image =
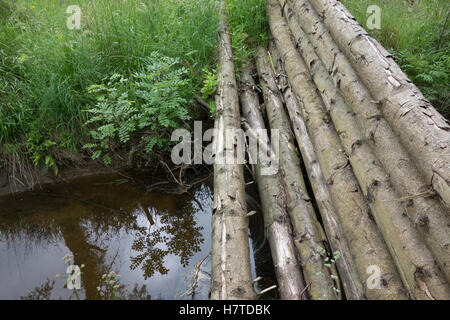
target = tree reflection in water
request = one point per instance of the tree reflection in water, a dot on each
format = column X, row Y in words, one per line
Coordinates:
column 88, row 215
column 176, row 234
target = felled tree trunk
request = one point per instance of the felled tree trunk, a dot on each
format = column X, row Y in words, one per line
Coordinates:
column 230, row 255
column 353, row 287
column 365, row 241
column 408, row 250
column 309, row 236
column 426, row 212
column 276, row 220
column 422, row 130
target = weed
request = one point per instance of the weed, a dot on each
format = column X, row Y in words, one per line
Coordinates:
column 150, row 103
column 417, row 34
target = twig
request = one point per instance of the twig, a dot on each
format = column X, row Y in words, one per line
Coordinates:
column 266, row 290
column 427, row 193
column 203, row 103
column 191, row 291
column 306, row 288
column 173, row 176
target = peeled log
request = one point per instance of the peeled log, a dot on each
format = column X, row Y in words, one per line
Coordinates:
column 353, row 288
column 309, row 236
column 428, row 216
column 277, row 225
column 365, row 241
column 231, row 277
column 414, row 261
column 422, row 130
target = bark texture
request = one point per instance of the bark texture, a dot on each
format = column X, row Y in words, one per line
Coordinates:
column 422, row 130
column 366, row 243
column 309, row 236
column 429, row 217
column 414, row 261
column 353, row 288
column 230, row 255
column 277, row 225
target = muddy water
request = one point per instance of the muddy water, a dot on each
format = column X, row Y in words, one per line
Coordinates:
column 154, row 240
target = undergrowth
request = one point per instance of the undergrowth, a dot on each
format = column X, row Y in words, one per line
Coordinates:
column 140, row 110
column 47, row 113
column 46, row 68
column 417, row 33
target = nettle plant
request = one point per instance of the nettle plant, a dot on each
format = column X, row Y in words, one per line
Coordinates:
column 140, row 110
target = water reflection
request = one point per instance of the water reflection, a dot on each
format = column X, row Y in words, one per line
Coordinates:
column 154, row 240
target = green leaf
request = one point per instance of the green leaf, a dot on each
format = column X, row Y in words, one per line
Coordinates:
column 96, row 154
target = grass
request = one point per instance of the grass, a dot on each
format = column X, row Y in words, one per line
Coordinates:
column 46, row 68
column 249, row 27
column 417, row 33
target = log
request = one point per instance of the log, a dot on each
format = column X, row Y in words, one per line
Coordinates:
column 414, row 261
column 231, row 276
column 353, row 287
column 365, row 241
column 277, row 225
column 309, row 236
column 422, row 130
column 427, row 214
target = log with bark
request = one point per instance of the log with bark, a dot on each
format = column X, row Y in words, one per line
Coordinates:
column 277, row 225
column 310, row 239
column 353, row 288
column 365, row 241
column 426, row 212
column 420, row 274
column 422, row 130
column 231, row 276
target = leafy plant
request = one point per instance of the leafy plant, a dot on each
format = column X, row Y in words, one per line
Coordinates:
column 209, row 89
column 430, row 71
column 249, row 17
column 241, row 50
column 45, row 67
column 417, row 34
column 145, row 106
column 39, row 149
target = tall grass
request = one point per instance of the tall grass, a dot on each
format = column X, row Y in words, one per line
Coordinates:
column 417, row 33
column 45, row 68
column 249, row 27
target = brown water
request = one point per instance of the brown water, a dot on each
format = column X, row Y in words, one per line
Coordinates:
column 109, row 223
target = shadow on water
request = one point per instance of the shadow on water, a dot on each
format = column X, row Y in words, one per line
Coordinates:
column 154, row 240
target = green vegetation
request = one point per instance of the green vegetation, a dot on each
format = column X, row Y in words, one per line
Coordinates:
column 149, row 104
column 61, row 89
column 47, row 113
column 417, row 34
column 249, row 27
column 46, row 68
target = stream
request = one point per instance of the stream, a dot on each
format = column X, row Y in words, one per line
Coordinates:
column 158, row 242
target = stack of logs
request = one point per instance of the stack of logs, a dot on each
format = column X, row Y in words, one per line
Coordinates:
column 368, row 216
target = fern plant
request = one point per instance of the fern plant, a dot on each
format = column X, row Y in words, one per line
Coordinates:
column 139, row 110
column 430, row 71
